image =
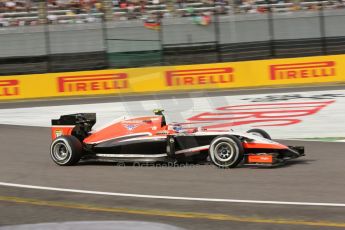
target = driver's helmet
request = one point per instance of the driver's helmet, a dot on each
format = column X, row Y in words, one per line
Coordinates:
column 158, row 111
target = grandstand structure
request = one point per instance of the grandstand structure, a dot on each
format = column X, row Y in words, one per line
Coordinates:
column 39, row 36
column 34, row 12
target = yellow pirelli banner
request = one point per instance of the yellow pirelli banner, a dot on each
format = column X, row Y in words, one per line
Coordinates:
column 291, row 71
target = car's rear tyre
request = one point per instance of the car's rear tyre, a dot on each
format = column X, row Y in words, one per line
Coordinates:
column 66, row 150
column 260, row 133
column 226, row 151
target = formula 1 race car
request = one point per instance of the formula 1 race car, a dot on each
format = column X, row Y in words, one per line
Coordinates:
column 150, row 139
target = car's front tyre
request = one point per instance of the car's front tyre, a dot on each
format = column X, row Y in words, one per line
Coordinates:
column 66, row 150
column 226, row 151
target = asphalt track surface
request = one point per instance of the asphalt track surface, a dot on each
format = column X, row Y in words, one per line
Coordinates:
column 318, row 177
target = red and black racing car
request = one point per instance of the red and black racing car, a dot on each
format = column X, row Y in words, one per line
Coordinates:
column 150, row 139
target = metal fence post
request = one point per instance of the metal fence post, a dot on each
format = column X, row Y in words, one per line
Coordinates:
column 216, row 31
column 161, row 40
column 322, row 28
column 43, row 20
column 107, row 16
column 271, row 30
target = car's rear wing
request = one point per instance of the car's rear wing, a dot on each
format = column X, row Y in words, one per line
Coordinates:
column 78, row 125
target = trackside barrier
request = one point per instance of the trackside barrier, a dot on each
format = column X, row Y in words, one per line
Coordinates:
column 292, row 71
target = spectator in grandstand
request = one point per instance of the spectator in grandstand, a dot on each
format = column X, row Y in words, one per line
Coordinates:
column 142, row 4
column 3, row 22
column 10, row 5
column 2, row 6
column 52, row 19
column 179, row 4
column 88, row 10
column 123, row 4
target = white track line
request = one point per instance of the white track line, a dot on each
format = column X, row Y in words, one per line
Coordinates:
column 170, row 197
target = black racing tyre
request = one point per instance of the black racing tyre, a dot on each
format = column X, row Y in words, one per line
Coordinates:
column 260, row 133
column 226, row 151
column 66, row 150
